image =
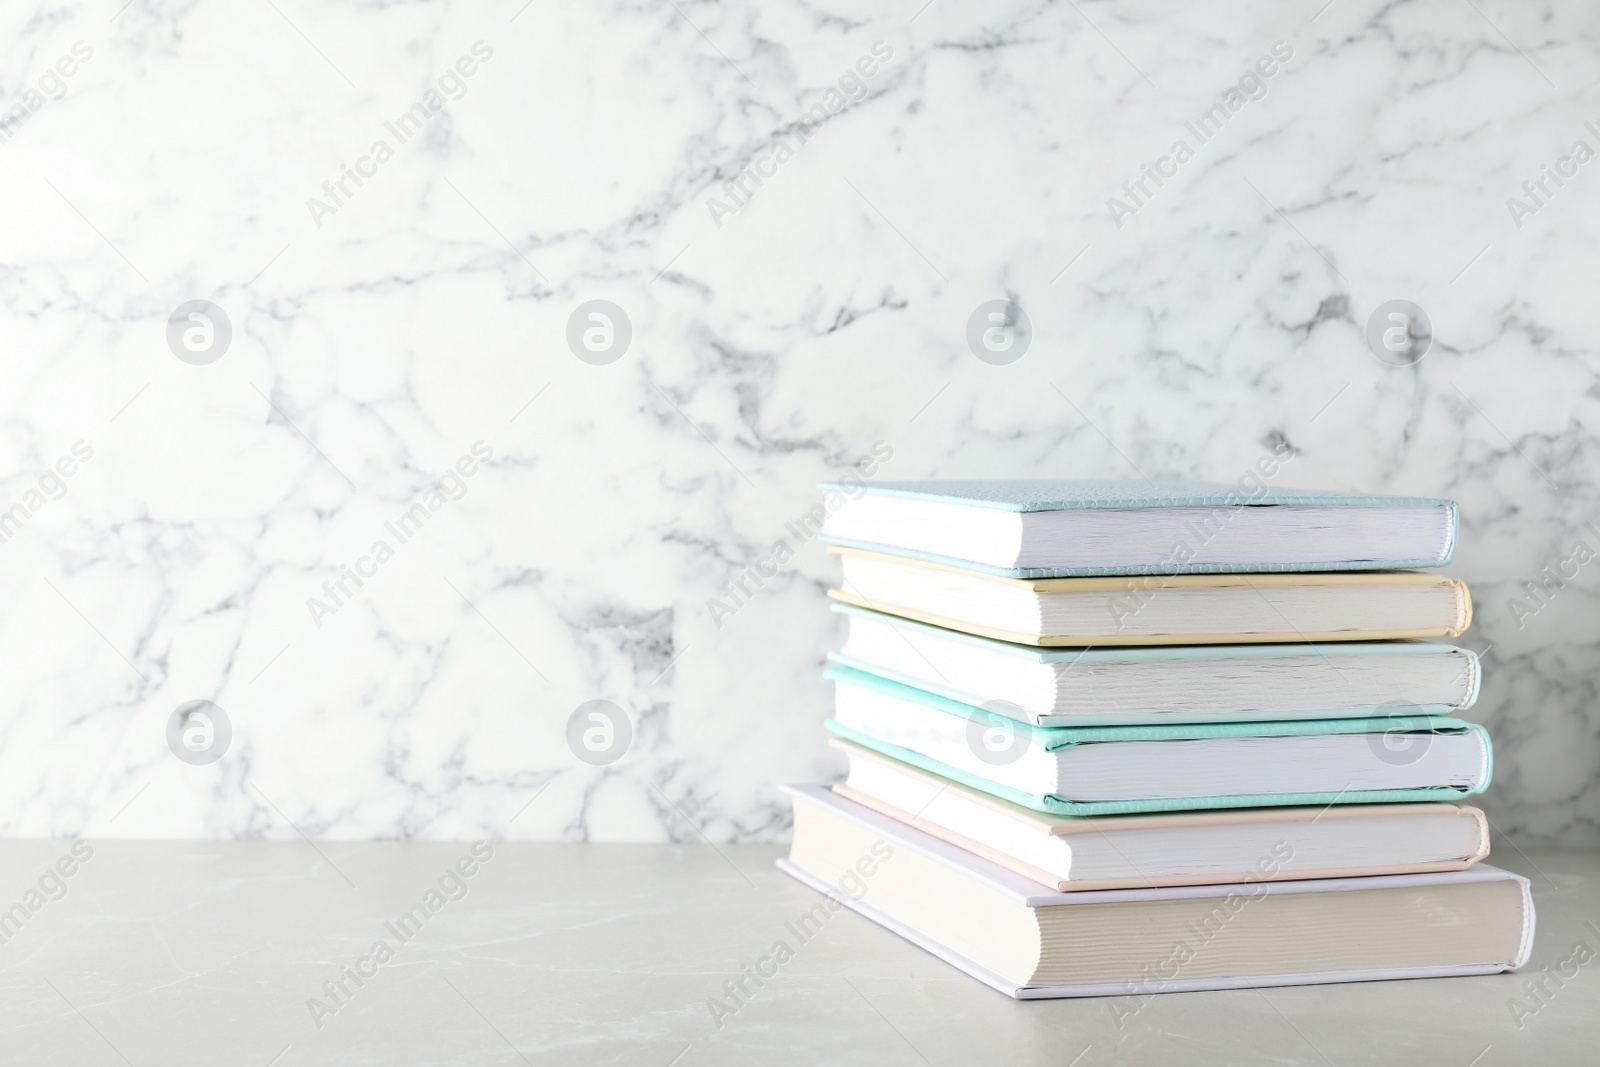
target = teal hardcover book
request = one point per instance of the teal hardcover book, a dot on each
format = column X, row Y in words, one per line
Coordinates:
column 1058, row 527
column 1110, row 770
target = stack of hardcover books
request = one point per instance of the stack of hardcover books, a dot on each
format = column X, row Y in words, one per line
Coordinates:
column 1111, row 738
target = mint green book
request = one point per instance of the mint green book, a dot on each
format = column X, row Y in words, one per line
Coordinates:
column 1112, row 770
column 1077, row 527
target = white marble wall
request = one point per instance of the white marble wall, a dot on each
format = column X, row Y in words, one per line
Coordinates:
column 378, row 336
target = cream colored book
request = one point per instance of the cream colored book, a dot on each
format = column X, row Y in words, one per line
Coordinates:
column 1150, row 609
column 1078, row 853
column 1030, row 943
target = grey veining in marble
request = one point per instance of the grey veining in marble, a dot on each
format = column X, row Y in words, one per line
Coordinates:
column 798, row 207
column 184, row 953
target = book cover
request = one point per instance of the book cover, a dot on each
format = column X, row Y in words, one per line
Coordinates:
column 1053, row 738
column 1064, row 494
column 1030, row 894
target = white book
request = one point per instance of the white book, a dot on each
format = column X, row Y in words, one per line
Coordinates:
column 1031, row 943
column 1187, row 683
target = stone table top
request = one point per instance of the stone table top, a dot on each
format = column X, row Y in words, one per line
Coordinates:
column 277, row 953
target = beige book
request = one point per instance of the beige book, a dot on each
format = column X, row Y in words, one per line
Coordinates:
column 1155, row 609
column 1029, row 942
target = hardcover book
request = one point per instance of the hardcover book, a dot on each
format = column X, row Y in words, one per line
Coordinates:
column 1053, row 527
column 1029, row 942
column 1109, row 770
column 1076, row 853
column 1184, row 609
column 1188, row 683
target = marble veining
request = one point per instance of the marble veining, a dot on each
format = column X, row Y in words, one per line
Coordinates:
column 798, row 207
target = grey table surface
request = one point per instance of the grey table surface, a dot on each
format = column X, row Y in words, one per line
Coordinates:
column 168, row 953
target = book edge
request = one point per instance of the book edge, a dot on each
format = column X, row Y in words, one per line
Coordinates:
column 1369, row 573
column 1075, row 885
column 1216, row 495
column 1056, row 824
column 1001, row 984
column 1025, row 891
column 1096, row 640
